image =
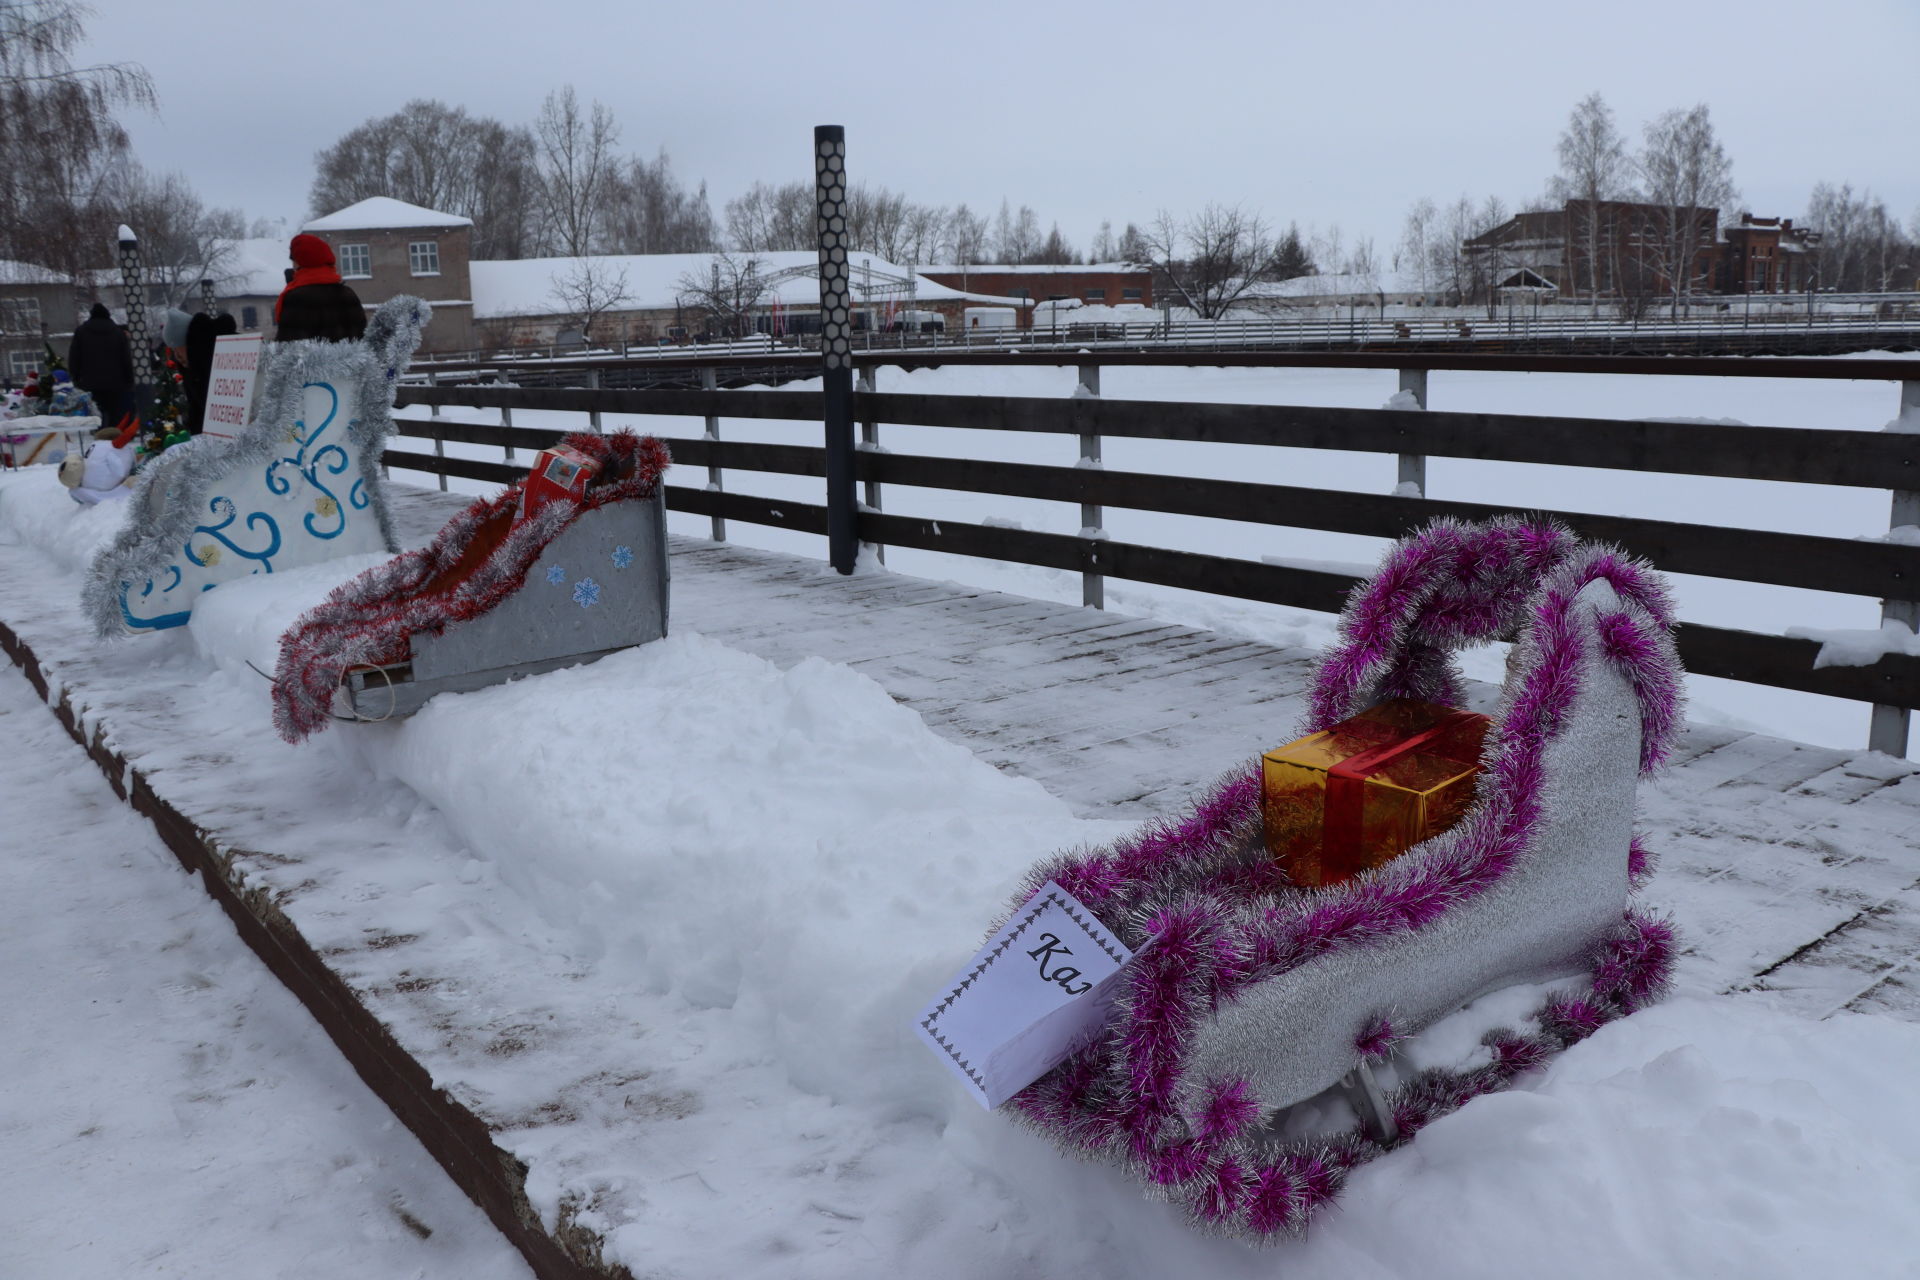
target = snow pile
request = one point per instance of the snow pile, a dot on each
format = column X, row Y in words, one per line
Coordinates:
column 700, row 822
column 37, row 511
column 171, row 1109
column 1859, row 648
column 1908, row 423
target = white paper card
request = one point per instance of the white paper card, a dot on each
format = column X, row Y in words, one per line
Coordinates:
column 1037, row 991
column 236, row 367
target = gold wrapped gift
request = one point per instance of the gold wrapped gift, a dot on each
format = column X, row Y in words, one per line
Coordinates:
column 1348, row 798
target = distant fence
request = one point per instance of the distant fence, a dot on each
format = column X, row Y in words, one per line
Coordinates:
column 1764, row 327
column 1886, row 571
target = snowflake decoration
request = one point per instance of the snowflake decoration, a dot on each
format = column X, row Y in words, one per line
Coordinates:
column 622, row 557
column 586, row 593
column 556, row 575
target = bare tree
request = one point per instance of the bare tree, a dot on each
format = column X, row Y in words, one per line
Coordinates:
column 876, row 221
column 437, row 156
column 966, row 236
column 1133, row 245
column 181, row 241
column 1213, row 258
column 577, row 166
column 1594, row 169
column 648, row 211
column 726, row 293
column 770, row 219
column 1103, row 247
column 1688, row 179
column 587, row 290
column 60, row 144
column 1862, row 246
column 1016, row 237
column 1413, row 258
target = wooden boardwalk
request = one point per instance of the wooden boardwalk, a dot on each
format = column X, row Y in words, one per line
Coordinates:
column 1793, row 870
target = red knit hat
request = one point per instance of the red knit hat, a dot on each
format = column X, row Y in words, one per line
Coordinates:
column 314, row 258
column 310, row 251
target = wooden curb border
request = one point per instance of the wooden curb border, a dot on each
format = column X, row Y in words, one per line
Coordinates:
column 493, row 1179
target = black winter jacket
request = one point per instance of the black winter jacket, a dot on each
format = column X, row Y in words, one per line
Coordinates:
column 100, row 361
column 329, row 311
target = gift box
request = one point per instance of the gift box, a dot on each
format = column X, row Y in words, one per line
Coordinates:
column 558, row 473
column 1340, row 801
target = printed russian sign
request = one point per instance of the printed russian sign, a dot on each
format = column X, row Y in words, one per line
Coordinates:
column 1039, row 989
column 236, row 367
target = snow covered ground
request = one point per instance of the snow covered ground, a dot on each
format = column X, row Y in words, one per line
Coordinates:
column 167, row 1108
column 664, row 921
column 1815, row 509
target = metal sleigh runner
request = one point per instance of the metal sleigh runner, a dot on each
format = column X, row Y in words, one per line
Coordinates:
column 564, row 567
column 1256, row 984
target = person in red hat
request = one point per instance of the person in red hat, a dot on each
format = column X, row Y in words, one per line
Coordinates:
column 315, row 304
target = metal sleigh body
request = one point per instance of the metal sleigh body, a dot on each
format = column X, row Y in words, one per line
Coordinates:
column 542, row 626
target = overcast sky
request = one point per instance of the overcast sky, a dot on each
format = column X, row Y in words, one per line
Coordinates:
column 1332, row 113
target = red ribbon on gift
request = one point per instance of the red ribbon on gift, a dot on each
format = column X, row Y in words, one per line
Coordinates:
column 1346, row 785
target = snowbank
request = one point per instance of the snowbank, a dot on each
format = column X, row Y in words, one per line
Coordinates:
column 667, row 916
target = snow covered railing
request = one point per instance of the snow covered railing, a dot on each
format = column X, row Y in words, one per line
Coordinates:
column 1887, row 570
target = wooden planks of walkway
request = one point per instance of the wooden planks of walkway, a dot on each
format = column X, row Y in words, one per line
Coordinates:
column 1793, row 870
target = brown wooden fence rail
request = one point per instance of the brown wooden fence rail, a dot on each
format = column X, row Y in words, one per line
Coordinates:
column 1883, row 461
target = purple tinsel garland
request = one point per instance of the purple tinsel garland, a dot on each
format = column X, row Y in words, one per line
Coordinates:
column 1221, row 922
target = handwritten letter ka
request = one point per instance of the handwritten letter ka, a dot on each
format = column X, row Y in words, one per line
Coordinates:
column 1037, row 991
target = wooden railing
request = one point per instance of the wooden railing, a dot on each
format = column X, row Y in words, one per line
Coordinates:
column 1887, row 571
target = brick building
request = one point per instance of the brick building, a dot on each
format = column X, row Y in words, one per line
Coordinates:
column 1096, row 284
column 1616, row 248
column 386, row 247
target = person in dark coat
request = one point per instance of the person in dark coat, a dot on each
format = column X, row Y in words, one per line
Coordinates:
column 201, row 332
column 100, row 360
column 315, row 304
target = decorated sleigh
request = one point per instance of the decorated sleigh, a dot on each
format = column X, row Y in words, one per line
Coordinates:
column 564, row 567
column 299, row 485
column 1248, row 994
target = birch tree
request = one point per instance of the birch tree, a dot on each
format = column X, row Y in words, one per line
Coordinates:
column 1687, row 174
column 1593, row 169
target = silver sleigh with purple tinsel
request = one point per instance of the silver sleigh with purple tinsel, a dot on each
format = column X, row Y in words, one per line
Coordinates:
column 299, row 485
column 1255, row 996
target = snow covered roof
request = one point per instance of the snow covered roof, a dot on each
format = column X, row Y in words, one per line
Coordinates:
column 657, row 281
column 1337, row 285
column 254, row 267
column 379, row 213
column 28, row 273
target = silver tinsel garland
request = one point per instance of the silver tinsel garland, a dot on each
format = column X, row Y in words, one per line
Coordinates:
column 169, row 497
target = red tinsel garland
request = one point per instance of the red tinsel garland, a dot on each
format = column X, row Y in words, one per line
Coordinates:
column 369, row 620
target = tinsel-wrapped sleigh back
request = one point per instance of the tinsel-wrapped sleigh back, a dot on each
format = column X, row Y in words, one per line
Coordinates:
column 1252, row 994
column 299, row 485
column 479, row 560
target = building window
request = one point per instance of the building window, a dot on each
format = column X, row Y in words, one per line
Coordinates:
column 355, row 262
column 423, row 257
column 1096, row 295
column 19, row 315
column 19, row 364
column 1131, row 295
column 249, row 317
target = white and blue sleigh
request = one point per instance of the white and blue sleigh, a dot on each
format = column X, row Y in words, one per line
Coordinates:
column 299, row 485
